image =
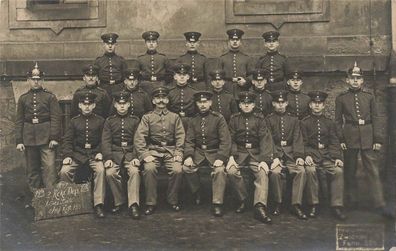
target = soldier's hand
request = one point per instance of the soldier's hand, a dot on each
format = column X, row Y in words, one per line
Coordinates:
column 67, row 161
column 52, row 144
column 309, row 161
column 275, row 163
column 188, row 162
column 263, row 166
column 218, row 163
column 343, row 146
column 149, row 159
column 300, row 162
column 135, row 162
column 377, row 147
column 339, row 163
column 20, row 147
column 108, row 164
column 98, row 157
column 178, row 158
column 231, row 161
column 241, row 81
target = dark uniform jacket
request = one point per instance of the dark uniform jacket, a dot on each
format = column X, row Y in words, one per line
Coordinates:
column 224, row 103
column 320, row 138
column 102, row 100
column 298, row 104
column 82, row 140
column 38, row 118
column 140, row 102
column 181, row 100
column 263, row 102
column 117, row 138
column 197, row 61
column 275, row 64
column 352, row 106
column 286, row 135
column 111, row 66
column 251, row 138
column 154, row 64
column 236, row 64
column 208, row 138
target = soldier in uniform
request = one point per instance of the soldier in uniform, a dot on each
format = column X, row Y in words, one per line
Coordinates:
column 153, row 65
column 82, row 149
column 359, row 130
column 236, row 64
column 195, row 60
column 159, row 140
column 222, row 100
column 37, row 127
column 120, row 156
column 289, row 145
column 111, row 66
column 273, row 62
column 323, row 156
column 102, row 101
column 208, row 143
column 263, row 101
column 252, row 148
column 298, row 101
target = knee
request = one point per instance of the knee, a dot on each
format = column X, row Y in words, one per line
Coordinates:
column 150, row 167
column 111, row 172
column 99, row 168
column 310, row 170
column 219, row 170
column 233, row 171
column 338, row 171
column 132, row 170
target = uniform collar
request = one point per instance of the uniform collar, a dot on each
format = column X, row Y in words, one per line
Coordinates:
column 204, row 114
column 133, row 89
column 258, row 90
column 294, row 91
column 109, row 54
column 151, row 52
column 280, row 114
column 87, row 116
column 37, row 90
column 91, row 86
column 192, row 52
column 272, row 53
column 235, row 51
column 355, row 90
column 161, row 112
column 122, row 116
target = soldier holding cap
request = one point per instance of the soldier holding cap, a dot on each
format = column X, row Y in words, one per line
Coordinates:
column 223, row 101
column 120, row 158
column 275, row 63
column 208, row 144
column 323, row 156
column 289, row 154
column 159, row 140
column 82, row 149
column 111, row 65
column 37, row 128
column 298, row 101
column 252, row 148
column 102, row 101
column 263, row 102
column 359, row 130
column 195, row 60
column 153, row 65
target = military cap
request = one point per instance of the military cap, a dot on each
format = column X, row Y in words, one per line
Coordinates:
column 203, row 96
column 355, row 71
column 87, row 98
column 160, row 91
column 181, row 68
column 217, row 74
column 110, row 38
column 294, row 75
column 259, row 74
column 132, row 74
column 271, row 36
column 150, row 35
column 317, row 96
column 91, row 70
column 279, row 96
column 235, row 33
column 192, row 36
column 246, row 97
column 121, row 97
column 36, row 73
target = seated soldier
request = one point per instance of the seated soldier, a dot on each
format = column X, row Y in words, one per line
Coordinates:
column 82, row 149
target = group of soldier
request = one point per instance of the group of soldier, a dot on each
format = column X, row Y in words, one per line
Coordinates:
column 233, row 117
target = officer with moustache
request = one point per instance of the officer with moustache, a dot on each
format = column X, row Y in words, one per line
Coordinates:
column 298, row 102
column 263, row 102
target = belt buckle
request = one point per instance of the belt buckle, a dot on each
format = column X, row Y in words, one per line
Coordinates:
column 234, row 79
column 112, row 82
column 362, row 122
column 182, row 114
column 35, row 121
column 163, row 143
column 124, row 143
column 87, row 146
column 321, row 146
column 272, row 80
column 248, row 145
column 283, row 143
column 153, row 78
column 194, row 79
column 204, row 147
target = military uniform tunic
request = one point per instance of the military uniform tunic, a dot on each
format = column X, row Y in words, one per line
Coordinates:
column 224, row 103
column 263, row 101
column 102, row 100
column 198, row 74
column 298, row 104
column 181, row 100
column 277, row 66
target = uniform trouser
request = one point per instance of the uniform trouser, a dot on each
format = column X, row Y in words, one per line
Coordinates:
column 174, row 170
column 326, row 169
column 67, row 173
column 298, row 174
column 40, row 166
column 370, row 165
column 219, row 180
column 260, row 183
column 115, row 181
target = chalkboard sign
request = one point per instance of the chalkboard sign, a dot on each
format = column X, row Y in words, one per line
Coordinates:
column 63, row 200
column 360, row 237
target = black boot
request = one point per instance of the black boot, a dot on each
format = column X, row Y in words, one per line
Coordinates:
column 260, row 213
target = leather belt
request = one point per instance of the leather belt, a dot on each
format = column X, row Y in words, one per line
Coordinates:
column 359, row 122
column 208, row 147
column 162, row 143
column 37, row 120
column 248, row 145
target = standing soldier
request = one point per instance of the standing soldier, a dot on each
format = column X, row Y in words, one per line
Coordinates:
column 195, row 60
column 263, row 100
column 289, row 146
column 111, row 66
column 323, row 156
column 153, row 65
column 359, row 130
column 159, row 140
column 298, row 101
column 252, row 148
column 82, row 149
column 102, row 101
column 273, row 62
column 223, row 101
column 236, row 64
column 120, row 156
column 37, row 127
